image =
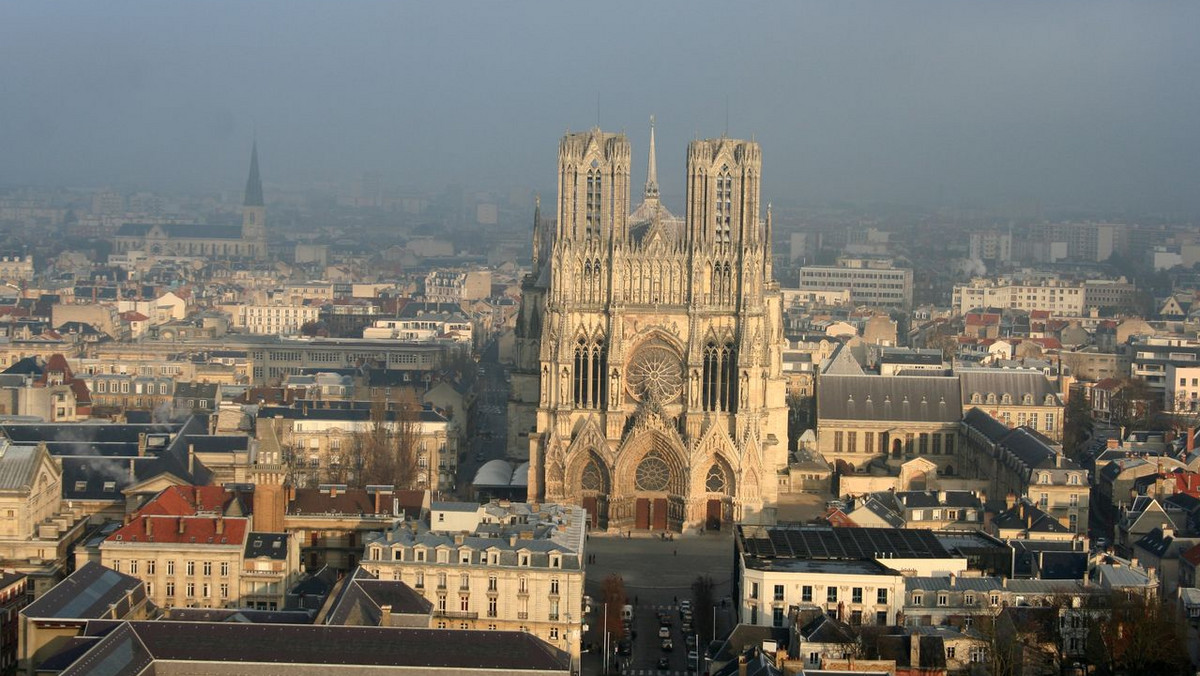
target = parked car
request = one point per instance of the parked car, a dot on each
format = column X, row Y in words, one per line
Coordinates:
column 664, row 632
column 668, row 645
column 664, row 664
column 625, row 648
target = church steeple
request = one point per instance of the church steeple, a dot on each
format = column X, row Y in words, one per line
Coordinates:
column 652, row 168
column 254, row 213
column 254, row 191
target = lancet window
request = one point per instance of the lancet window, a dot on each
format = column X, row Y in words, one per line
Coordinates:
column 590, row 387
column 592, row 204
column 724, row 206
column 719, row 384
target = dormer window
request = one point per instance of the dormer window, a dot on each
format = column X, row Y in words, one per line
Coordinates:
column 421, row 555
column 464, row 556
column 1044, row 478
column 523, row 559
column 1027, row 400
column 1006, row 399
column 975, row 398
column 1049, row 400
column 991, row 398
column 443, row 556
column 556, row 561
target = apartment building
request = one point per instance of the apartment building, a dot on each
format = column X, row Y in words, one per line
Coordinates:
column 1016, row 397
column 1054, row 296
column 852, row 574
column 870, row 281
column 195, row 547
column 500, row 566
column 272, row 363
column 1095, row 242
column 319, row 439
column 1024, row 463
column 1182, row 393
column 276, row 319
column 450, row 286
column 1154, row 355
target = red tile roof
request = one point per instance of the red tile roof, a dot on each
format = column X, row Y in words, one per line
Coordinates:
column 187, row 501
column 1192, row 555
column 184, row 530
column 133, row 316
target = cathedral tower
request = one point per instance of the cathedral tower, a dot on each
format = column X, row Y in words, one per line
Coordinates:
column 648, row 384
column 254, row 211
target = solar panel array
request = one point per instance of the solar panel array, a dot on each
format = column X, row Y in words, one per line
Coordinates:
column 815, row 542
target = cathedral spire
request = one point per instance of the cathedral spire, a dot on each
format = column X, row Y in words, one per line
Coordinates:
column 254, row 191
column 652, row 168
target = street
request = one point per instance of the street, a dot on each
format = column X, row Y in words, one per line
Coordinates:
column 657, row 575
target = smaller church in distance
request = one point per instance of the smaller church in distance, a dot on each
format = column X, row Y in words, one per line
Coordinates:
column 198, row 239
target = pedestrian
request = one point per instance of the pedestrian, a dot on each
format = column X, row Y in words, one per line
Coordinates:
column 675, row 552
column 635, row 600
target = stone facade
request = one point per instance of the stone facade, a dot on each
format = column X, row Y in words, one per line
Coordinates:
column 648, row 347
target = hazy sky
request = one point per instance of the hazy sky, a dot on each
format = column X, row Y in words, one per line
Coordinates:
column 1066, row 103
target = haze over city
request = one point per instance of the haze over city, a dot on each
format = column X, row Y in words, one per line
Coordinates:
column 1074, row 104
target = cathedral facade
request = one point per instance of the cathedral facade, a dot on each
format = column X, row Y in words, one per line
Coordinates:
column 249, row 241
column 648, row 361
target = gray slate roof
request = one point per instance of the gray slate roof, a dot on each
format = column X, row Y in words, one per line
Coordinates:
column 18, row 464
column 912, row 398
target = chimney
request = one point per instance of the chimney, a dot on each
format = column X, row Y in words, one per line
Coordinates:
column 149, row 523
column 182, row 524
column 141, row 449
column 1010, row 500
column 953, row 580
column 1191, row 439
column 378, row 499
column 220, row 525
column 333, row 491
column 192, row 459
column 132, row 476
column 385, row 615
column 914, row 650
column 941, row 497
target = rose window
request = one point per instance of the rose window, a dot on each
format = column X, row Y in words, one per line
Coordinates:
column 653, row 474
column 655, row 374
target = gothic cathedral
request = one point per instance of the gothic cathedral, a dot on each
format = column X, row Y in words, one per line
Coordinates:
column 648, row 362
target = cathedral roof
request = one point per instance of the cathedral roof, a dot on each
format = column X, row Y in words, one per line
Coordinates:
column 182, row 230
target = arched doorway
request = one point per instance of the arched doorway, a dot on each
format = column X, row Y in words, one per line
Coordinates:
column 651, row 488
column 897, row 448
column 719, row 492
column 594, row 485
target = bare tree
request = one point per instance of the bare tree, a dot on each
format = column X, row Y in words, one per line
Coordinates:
column 614, row 597
column 387, row 451
column 702, row 607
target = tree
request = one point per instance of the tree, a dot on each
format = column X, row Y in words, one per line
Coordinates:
column 1077, row 423
column 1136, row 406
column 1137, row 635
column 614, row 599
column 702, row 608
column 385, row 452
